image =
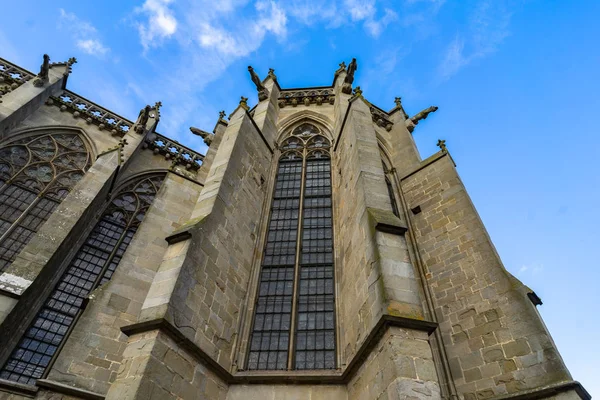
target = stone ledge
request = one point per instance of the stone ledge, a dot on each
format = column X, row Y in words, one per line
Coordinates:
column 426, row 162
column 18, row 388
column 8, row 293
column 547, row 391
column 283, row 377
column 68, row 390
column 386, row 221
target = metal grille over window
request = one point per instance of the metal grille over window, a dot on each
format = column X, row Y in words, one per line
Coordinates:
column 36, row 174
column 295, row 308
column 93, row 265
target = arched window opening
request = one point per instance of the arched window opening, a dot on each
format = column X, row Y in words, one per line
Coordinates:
column 93, row 265
column 295, row 307
column 36, row 174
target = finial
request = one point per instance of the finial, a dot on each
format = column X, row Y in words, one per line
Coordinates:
column 398, row 101
column 71, row 61
column 343, row 65
column 442, row 145
column 222, row 114
column 272, row 74
column 244, row 103
column 358, row 91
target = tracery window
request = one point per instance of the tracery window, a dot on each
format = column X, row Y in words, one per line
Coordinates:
column 295, row 307
column 36, row 174
column 93, row 265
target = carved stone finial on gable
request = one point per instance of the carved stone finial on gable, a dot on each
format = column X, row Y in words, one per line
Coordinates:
column 398, row 102
column 352, row 67
column 358, row 91
column 157, row 107
column 222, row 114
column 262, row 91
column 341, row 69
column 272, row 74
column 140, row 124
column 244, row 103
column 208, row 137
column 42, row 77
column 442, row 145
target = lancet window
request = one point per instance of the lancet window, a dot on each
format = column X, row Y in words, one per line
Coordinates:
column 294, row 320
column 93, row 265
column 36, row 174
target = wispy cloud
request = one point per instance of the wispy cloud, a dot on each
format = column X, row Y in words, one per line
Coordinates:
column 160, row 22
column 532, row 269
column 85, row 34
column 487, row 27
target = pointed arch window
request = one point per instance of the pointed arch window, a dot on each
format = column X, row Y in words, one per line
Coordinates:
column 295, row 306
column 36, row 174
column 93, row 265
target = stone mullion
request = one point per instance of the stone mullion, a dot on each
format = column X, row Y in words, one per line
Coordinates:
column 292, row 339
column 21, row 217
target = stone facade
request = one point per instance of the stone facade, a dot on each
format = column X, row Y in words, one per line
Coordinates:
column 424, row 308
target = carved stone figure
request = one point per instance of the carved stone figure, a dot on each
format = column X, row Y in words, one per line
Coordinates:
column 442, row 145
column 142, row 119
column 262, row 91
column 208, row 137
column 222, row 114
column 42, row 77
column 398, row 102
column 352, row 67
column 423, row 114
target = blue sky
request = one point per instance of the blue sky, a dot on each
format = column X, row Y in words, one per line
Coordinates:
column 516, row 82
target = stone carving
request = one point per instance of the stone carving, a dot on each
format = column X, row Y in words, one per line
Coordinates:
column 11, row 77
column 244, row 103
column 42, row 77
column 398, row 102
column 272, row 74
column 173, row 151
column 414, row 121
column 262, row 90
column 380, row 117
column 208, row 137
column 352, row 67
column 143, row 116
column 91, row 112
column 442, row 145
column 306, row 97
column 358, row 91
column 157, row 107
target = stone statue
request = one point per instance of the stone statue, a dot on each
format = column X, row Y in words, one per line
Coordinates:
column 42, row 77
column 208, row 137
column 262, row 91
column 140, row 124
column 347, row 87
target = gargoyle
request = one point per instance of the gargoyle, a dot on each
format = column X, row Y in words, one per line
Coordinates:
column 262, row 91
column 414, row 121
column 352, row 67
column 142, row 119
column 42, row 77
column 208, row 137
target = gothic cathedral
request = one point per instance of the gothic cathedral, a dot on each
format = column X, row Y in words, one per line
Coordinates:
column 309, row 254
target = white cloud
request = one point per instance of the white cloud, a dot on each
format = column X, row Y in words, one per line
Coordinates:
column 92, row 46
column 375, row 27
column 161, row 22
column 532, row 269
column 487, row 28
column 85, row 34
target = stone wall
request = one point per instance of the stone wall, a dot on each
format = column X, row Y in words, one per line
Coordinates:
column 400, row 367
column 495, row 340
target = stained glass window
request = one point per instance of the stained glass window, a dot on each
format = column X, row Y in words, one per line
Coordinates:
column 36, row 174
column 295, row 307
column 93, row 265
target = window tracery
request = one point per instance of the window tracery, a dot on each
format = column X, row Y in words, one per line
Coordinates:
column 295, row 306
column 36, row 174
column 93, row 265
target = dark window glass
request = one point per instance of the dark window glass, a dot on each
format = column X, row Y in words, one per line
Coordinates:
column 305, row 155
column 36, row 174
column 93, row 265
column 390, row 189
